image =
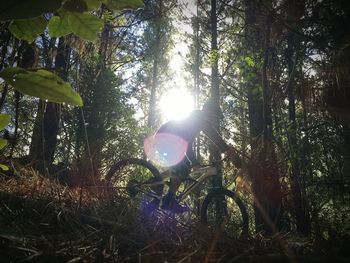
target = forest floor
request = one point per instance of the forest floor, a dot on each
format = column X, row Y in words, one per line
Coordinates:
column 43, row 221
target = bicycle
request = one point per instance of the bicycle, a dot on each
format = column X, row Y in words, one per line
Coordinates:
column 141, row 185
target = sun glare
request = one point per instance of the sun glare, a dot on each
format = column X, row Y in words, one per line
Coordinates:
column 176, row 104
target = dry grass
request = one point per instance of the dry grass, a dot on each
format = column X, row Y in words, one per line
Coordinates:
column 43, row 221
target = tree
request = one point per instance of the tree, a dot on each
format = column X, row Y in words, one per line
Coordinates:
column 215, row 84
column 44, row 138
column 301, row 213
column 68, row 18
column 263, row 170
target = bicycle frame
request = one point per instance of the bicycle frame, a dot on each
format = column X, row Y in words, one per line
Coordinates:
column 204, row 172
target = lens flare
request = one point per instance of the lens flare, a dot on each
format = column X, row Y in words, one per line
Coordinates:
column 165, row 149
column 176, row 104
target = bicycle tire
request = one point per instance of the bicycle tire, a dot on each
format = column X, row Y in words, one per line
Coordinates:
column 129, row 182
column 234, row 224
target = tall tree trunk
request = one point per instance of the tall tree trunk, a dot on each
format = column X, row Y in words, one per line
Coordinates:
column 302, row 217
column 27, row 59
column 156, row 51
column 35, row 143
column 37, row 138
column 44, row 138
column 255, row 110
column 215, row 154
column 96, row 128
column 154, row 88
column 269, row 159
column 50, row 129
column 215, row 83
column 263, row 170
column 197, row 93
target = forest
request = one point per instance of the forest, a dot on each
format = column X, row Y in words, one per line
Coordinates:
column 85, row 85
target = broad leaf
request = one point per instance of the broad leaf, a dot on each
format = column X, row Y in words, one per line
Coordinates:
column 85, row 25
column 3, row 143
column 42, row 84
column 21, row 9
column 4, row 120
column 28, row 29
column 59, row 26
column 124, row 4
column 94, row 4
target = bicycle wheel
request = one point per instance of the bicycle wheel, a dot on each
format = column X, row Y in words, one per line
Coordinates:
column 224, row 213
column 135, row 184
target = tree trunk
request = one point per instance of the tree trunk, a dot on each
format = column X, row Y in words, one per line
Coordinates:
column 154, row 88
column 215, row 85
column 156, row 50
column 27, row 59
column 44, row 138
column 263, row 170
column 96, row 128
column 301, row 215
column 215, row 154
column 196, row 96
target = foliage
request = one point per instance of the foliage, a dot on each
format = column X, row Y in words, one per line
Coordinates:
column 152, row 51
column 27, row 23
column 28, row 29
column 4, row 121
column 84, row 25
column 42, row 84
column 22, row 9
column 109, row 117
column 213, row 56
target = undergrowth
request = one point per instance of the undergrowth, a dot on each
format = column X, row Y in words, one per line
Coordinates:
column 44, row 221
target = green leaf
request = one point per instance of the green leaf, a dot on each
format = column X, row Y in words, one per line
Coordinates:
column 59, row 26
column 4, row 167
column 28, row 29
column 85, row 25
column 21, row 9
column 4, row 120
column 93, row 4
column 213, row 56
column 3, row 143
column 75, row 6
column 42, row 84
column 250, row 62
column 124, row 4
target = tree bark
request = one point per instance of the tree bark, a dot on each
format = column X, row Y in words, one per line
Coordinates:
column 263, row 170
column 215, row 85
column 301, row 214
column 197, row 95
column 95, row 130
column 44, row 138
column 155, row 67
column 215, row 154
column 27, row 59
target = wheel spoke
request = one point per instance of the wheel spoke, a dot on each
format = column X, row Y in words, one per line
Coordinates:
column 223, row 211
column 133, row 181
